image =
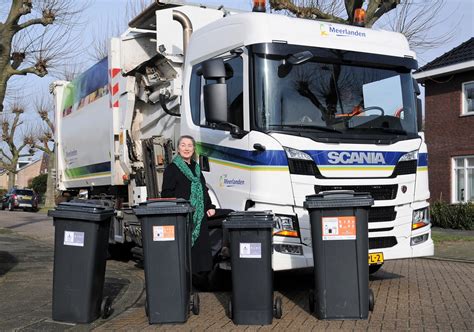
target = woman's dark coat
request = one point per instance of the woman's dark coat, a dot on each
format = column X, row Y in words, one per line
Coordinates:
column 176, row 184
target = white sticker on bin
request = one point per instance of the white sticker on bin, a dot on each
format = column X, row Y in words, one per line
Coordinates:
column 75, row 239
column 250, row 250
column 163, row 233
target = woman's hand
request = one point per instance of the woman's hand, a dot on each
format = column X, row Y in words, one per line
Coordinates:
column 211, row 212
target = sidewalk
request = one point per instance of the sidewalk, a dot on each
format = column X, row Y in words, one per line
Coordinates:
column 26, row 276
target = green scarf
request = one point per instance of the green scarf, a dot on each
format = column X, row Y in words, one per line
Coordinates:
column 197, row 194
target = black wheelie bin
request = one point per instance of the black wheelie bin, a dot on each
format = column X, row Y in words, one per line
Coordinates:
column 166, row 236
column 252, row 275
column 80, row 252
column 339, row 230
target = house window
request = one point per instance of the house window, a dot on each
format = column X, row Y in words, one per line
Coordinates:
column 463, row 171
column 468, row 98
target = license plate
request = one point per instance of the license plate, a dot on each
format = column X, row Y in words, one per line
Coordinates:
column 25, row 197
column 375, row 258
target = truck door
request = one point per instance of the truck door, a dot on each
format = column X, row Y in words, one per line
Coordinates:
column 224, row 160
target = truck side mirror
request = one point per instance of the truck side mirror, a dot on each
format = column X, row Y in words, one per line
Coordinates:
column 416, row 87
column 213, row 69
column 419, row 114
column 215, row 102
column 215, row 93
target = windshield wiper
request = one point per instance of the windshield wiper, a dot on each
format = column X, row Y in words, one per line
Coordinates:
column 385, row 130
column 321, row 128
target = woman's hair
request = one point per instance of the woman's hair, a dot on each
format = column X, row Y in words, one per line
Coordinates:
column 194, row 156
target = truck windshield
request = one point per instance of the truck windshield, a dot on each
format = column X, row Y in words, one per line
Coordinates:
column 332, row 93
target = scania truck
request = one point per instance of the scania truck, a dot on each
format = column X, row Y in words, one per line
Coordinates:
column 280, row 107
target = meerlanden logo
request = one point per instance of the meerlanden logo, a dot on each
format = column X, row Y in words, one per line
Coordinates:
column 328, row 29
column 225, row 182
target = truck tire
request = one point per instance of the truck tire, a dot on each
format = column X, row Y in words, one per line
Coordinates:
column 374, row 268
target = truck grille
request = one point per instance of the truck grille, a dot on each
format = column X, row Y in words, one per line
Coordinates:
column 382, row 242
column 382, row 213
column 378, row 192
column 405, row 167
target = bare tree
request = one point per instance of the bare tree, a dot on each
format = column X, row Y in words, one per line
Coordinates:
column 44, row 141
column 34, row 36
column 414, row 18
column 114, row 27
column 16, row 142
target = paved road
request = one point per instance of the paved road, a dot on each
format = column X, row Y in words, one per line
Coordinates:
column 418, row 294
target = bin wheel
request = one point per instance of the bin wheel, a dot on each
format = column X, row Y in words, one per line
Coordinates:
column 277, row 308
column 146, row 308
column 371, row 300
column 229, row 308
column 311, row 300
column 106, row 307
column 195, row 304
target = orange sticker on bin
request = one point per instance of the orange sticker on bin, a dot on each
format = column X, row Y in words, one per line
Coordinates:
column 339, row 228
column 163, row 233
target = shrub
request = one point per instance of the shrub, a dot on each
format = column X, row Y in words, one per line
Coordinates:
column 455, row 216
column 38, row 184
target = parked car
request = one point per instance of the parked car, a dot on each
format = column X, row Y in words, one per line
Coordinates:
column 16, row 198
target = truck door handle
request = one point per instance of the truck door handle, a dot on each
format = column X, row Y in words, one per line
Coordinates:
column 204, row 163
column 259, row 147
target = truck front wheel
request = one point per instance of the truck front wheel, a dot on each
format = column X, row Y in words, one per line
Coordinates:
column 374, row 268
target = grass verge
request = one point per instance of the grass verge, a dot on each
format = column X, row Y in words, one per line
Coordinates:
column 440, row 238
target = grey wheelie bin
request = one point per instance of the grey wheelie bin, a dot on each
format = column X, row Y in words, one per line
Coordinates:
column 166, row 239
column 80, row 253
column 339, row 230
column 250, row 236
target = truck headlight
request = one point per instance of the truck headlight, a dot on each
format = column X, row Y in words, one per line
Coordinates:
column 286, row 226
column 300, row 162
column 297, row 154
column 413, row 155
column 421, row 218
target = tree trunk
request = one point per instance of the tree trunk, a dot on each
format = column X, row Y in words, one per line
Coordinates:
column 51, row 182
column 11, row 179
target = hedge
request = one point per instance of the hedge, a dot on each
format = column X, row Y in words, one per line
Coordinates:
column 455, row 216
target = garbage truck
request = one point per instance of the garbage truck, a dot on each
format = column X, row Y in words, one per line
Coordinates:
column 280, row 108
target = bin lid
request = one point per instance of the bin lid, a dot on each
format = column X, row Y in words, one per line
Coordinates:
column 86, row 211
column 249, row 219
column 338, row 198
column 164, row 206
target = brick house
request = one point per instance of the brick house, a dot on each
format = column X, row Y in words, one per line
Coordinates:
column 27, row 170
column 449, row 123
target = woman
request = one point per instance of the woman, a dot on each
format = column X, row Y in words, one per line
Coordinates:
column 183, row 179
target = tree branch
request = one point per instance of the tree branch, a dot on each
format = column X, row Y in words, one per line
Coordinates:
column 45, row 148
column 377, row 8
column 18, row 8
column 5, row 155
column 35, row 21
column 304, row 12
column 37, row 70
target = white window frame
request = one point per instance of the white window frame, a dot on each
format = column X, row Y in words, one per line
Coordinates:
column 464, row 100
column 454, row 182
